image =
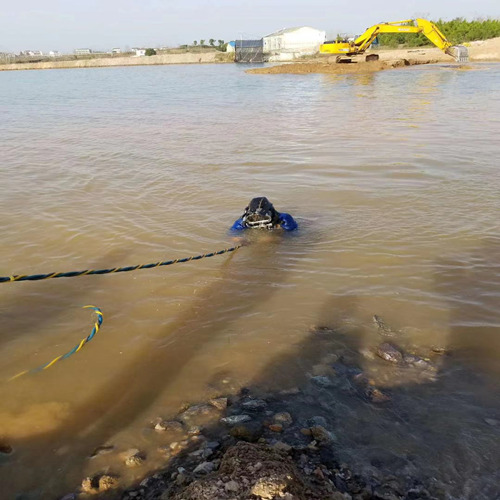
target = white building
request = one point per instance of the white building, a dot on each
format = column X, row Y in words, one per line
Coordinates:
column 54, row 53
column 116, row 50
column 289, row 43
column 31, row 53
column 82, row 52
column 139, row 52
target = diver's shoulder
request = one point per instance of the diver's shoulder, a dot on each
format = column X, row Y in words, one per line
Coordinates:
column 238, row 225
column 288, row 222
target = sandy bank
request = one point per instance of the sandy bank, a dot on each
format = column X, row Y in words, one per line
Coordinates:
column 187, row 58
column 330, row 67
column 487, row 50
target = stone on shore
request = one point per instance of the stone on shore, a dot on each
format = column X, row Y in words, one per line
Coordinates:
column 204, row 468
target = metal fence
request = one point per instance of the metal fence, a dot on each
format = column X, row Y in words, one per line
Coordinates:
column 249, row 51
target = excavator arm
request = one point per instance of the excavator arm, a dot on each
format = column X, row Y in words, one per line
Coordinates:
column 430, row 30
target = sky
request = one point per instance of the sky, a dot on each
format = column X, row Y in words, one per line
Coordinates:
column 104, row 24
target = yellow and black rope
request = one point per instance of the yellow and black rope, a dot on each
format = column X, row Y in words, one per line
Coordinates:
column 75, row 349
column 88, row 272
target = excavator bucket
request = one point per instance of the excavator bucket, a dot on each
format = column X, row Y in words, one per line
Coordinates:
column 459, row 53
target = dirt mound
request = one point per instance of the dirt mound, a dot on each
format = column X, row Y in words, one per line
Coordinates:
column 250, row 471
column 326, row 67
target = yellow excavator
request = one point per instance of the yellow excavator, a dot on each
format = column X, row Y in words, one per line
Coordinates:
column 346, row 50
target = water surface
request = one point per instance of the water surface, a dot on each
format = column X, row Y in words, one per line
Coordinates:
column 392, row 176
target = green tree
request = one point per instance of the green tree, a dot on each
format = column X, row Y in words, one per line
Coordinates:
column 150, row 52
column 221, row 45
column 202, row 42
column 458, row 30
column 195, row 43
column 211, row 42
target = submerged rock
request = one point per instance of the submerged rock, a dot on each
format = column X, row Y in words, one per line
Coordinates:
column 5, row 447
column 219, row 403
column 438, row 349
column 176, row 447
column 284, row 418
column 236, row 419
column 199, row 413
column 213, row 445
column 492, row 421
column 250, row 432
column 322, row 381
column 254, row 404
column 376, row 395
column 317, row 420
column 88, row 487
column 390, row 353
column 169, row 426
column 195, row 430
column 290, row 392
column 107, row 483
column 418, row 362
column 135, row 460
column 321, row 435
column 383, row 329
column 99, row 484
column 102, row 450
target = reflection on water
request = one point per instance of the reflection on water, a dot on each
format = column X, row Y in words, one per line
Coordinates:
column 392, row 177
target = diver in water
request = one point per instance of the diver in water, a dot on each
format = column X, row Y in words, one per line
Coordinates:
column 260, row 214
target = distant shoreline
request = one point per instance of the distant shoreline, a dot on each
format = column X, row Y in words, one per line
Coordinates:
column 164, row 59
column 480, row 51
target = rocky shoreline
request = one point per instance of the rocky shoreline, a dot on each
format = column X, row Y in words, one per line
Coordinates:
column 260, row 452
column 283, row 444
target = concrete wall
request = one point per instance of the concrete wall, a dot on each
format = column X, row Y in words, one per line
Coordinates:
column 187, row 58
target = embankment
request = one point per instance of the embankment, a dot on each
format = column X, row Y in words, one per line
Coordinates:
column 187, row 58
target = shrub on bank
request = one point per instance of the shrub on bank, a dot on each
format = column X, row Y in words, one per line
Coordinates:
column 458, row 30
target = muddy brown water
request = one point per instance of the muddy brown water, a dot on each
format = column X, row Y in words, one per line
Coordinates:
column 393, row 179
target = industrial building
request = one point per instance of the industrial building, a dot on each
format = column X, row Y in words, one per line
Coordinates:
column 290, row 43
